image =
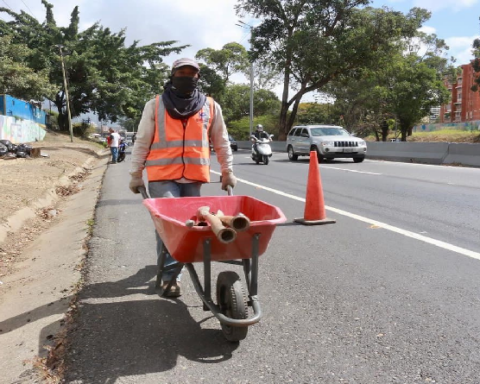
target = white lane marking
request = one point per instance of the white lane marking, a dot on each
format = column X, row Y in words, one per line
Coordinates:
column 349, row 170
column 413, row 235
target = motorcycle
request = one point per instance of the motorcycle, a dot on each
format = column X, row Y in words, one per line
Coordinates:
column 122, row 147
column 261, row 150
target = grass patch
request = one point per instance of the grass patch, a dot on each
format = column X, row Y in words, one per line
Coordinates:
column 451, row 136
column 90, row 224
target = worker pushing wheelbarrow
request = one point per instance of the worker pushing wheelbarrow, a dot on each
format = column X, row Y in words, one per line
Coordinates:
column 172, row 145
column 230, row 229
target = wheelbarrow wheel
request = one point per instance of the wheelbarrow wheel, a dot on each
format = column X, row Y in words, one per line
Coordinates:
column 232, row 300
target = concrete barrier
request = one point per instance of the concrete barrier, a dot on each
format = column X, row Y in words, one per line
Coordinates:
column 430, row 153
column 463, row 153
column 277, row 146
column 426, row 153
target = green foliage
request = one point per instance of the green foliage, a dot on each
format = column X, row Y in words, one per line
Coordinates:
column 230, row 59
column 16, row 78
column 313, row 42
column 240, row 129
column 236, row 102
column 402, row 87
column 314, row 113
column 104, row 75
column 82, row 129
column 211, row 83
column 476, row 64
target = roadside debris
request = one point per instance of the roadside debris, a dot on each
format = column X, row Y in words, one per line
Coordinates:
column 8, row 150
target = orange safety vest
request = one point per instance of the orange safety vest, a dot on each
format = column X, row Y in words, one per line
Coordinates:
column 180, row 148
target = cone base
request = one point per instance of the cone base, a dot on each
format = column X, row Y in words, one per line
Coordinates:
column 315, row 222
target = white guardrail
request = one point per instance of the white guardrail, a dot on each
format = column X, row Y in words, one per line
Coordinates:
column 426, row 153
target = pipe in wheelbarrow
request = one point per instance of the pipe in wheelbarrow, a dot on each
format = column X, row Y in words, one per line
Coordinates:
column 223, row 234
column 239, row 222
column 216, row 310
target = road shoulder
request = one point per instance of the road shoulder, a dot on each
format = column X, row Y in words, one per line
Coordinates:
column 38, row 294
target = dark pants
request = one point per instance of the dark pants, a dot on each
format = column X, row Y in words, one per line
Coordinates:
column 159, row 189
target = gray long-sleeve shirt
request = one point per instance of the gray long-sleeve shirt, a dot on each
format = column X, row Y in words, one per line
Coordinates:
column 146, row 133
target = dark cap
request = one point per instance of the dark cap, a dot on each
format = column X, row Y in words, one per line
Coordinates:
column 184, row 63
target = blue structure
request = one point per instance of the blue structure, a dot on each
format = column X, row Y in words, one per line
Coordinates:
column 10, row 106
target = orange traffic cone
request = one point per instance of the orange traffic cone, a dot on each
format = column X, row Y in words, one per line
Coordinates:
column 314, row 205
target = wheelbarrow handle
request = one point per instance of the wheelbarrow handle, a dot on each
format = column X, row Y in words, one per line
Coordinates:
column 143, row 191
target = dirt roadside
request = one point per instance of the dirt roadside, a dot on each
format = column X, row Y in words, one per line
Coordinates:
column 47, row 207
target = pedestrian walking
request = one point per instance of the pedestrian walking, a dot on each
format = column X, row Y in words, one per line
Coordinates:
column 172, row 145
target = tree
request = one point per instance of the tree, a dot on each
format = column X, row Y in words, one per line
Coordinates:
column 104, row 76
column 314, row 42
column 404, row 86
column 476, row 64
column 16, row 78
column 313, row 113
column 236, row 102
column 232, row 58
column 211, row 83
column 417, row 87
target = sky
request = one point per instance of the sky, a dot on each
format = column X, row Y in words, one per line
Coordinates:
column 212, row 23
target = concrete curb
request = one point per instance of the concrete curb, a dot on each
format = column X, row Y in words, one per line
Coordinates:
column 15, row 222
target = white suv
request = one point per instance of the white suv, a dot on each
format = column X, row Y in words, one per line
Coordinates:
column 329, row 141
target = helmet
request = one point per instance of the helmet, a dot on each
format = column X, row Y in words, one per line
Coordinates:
column 259, row 127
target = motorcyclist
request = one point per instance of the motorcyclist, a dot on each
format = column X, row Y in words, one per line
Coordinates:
column 259, row 134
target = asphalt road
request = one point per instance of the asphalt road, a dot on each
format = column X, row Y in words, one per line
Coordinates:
column 388, row 294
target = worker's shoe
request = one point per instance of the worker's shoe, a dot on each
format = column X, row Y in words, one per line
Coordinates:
column 175, row 289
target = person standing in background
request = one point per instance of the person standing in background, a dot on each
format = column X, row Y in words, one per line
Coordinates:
column 114, row 143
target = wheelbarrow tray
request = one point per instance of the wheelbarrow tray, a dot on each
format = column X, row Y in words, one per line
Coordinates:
column 185, row 244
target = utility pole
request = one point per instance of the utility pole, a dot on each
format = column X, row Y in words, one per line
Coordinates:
column 244, row 25
column 59, row 46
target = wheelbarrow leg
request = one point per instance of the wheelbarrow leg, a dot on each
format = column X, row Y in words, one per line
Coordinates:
column 160, row 266
column 253, row 286
column 207, row 272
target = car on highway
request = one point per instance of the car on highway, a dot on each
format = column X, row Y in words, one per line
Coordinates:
column 233, row 143
column 329, row 141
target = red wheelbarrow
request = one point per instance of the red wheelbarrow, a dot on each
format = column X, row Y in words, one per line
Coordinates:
column 191, row 244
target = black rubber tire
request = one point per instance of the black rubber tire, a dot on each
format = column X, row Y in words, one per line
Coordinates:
column 265, row 160
column 291, row 154
column 121, row 157
column 232, row 300
column 319, row 157
column 358, row 159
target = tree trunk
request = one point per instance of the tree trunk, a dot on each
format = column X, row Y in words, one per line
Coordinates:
column 62, row 116
column 293, row 115
column 282, row 133
column 283, row 125
column 384, row 133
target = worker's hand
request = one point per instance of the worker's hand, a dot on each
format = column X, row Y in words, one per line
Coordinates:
column 136, row 182
column 228, row 179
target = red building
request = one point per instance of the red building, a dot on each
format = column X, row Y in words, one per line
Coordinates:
column 465, row 104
